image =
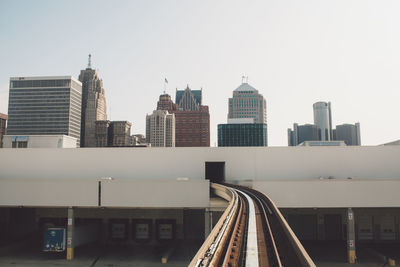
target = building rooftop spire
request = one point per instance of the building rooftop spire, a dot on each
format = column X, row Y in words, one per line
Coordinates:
column 89, row 65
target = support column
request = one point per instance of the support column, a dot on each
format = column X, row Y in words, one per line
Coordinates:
column 70, row 234
column 351, row 237
column 207, row 222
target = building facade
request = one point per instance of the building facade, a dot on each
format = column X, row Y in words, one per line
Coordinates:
column 45, row 106
column 40, row 141
column 165, row 103
column 349, row 133
column 323, row 119
column 113, row 133
column 242, row 134
column 301, row 133
column 192, row 119
column 3, row 131
column 160, row 129
column 246, row 102
column 93, row 105
column 120, row 133
column 192, row 128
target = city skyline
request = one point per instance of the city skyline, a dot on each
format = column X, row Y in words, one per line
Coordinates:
column 292, row 60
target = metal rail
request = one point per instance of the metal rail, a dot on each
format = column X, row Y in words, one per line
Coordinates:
column 251, row 232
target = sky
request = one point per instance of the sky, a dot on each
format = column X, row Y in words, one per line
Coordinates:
column 294, row 52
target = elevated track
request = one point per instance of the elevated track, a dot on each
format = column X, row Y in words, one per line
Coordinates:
column 251, row 232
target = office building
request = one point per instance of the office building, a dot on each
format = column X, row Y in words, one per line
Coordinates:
column 3, row 122
column 188, row 99
column 112, row 133
column 39, row 141
column 192, row 119
column 102, row 133
column 242, row 133
column 45, row 106
column 322, row 143
column 138, row 140
column 246, row 102
column 160, row 129
column 120, row 133
column 301, row 133
column 93, row 104
column 349, row 133
column 323, row 119
column 192, row 128
column 165, row 103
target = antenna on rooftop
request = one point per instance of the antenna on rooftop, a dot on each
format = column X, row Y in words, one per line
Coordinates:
column 243, row 77
column 89, row 65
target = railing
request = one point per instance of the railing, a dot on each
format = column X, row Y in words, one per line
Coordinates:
column 274, row 243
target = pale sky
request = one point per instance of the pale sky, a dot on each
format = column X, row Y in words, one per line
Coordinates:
column 294, row 52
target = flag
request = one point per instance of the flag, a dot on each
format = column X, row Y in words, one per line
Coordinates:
column 166, row 81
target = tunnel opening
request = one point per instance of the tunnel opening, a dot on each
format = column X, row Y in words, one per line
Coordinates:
column 215, row 171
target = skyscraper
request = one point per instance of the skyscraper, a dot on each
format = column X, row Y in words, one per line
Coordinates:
column 160, row 129
column 239, row 132
column 3, row 121
column 113, row 133
column 323, row 119
column 192, row 119
column 349, row 133
column 45, row 105
column 247, row 103
column 302, row 133
column 93, row 104
column 165, row 103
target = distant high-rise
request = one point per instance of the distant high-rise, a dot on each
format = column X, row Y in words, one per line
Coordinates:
column 302, row 133
column 323, row 119
column 3, row 122
column 349, row 133
column 93, row 104
column 165, row 103
column 188, row 99
column 242, row 132
column 192, row 119
column 113, row 133
column 45, row 106
column 160, row 129
column 247, row 103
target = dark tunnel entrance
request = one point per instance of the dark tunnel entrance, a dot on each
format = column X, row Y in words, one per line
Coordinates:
column 215, row 171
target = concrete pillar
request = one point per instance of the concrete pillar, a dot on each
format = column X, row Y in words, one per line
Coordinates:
column 351, row 237
column 70, row 234
column 207, row 222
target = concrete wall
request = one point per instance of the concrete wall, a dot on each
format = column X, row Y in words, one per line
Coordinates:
column 332, row 193
column 291, row 176
column 114, row 193
column 270, row 163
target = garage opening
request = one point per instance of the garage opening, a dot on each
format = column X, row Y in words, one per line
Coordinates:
column 215, row 171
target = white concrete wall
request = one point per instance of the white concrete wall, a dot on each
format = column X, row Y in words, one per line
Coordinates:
column 151, row 193
column 270, row 163
column 332, row 193
column 45, row 192
column 114, row 193
column 275, row 164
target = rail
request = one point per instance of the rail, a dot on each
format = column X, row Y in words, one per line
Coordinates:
column 250, row 232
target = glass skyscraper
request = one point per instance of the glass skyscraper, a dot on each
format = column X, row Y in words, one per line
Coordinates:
column 242, row 134
column 45, row 106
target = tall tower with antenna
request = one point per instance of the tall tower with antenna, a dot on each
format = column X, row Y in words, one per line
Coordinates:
column 93, row 104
